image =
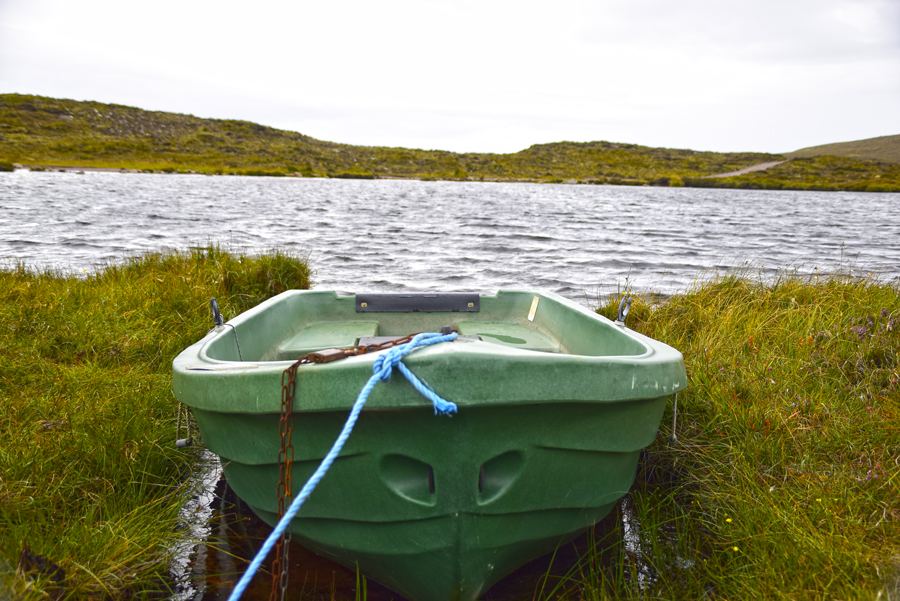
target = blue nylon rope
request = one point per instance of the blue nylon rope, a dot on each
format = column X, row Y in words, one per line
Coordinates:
column 384, row 365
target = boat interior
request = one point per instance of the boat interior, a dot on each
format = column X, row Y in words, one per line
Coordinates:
column 296, row 323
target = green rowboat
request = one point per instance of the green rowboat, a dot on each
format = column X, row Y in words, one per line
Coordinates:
column 554, row 402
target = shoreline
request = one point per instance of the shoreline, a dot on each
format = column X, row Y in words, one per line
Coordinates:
column 723, row 181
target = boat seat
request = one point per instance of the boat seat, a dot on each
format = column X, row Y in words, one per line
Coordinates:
column 509, row 334
column 322, row 335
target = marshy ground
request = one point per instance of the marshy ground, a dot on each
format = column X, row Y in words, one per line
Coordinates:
column 784, row 482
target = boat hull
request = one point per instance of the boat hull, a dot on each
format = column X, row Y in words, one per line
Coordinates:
column 494, row 488
column 554, row 403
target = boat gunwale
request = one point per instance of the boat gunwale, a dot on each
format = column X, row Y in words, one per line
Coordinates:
column 483, row 360
column 650, row 346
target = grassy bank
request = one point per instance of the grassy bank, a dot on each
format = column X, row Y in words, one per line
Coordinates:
column 785, row 479
column 783, row 484
column 90, row 480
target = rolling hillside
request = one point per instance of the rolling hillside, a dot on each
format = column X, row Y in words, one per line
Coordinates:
column 883, row 148
column 48, row 133
column 40, row 130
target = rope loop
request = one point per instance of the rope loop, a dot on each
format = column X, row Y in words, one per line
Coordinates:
column 385, row 363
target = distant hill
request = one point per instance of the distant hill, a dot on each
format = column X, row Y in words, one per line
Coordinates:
column 883, row 148
column 36, row 130
column 48, row 133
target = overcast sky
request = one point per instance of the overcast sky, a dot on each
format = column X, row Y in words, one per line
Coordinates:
column 479, row 76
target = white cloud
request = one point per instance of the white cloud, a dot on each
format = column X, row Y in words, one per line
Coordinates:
column 480, row 76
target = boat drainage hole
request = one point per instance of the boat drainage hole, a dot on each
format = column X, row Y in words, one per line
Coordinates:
column 496, row 475
column 410, row 478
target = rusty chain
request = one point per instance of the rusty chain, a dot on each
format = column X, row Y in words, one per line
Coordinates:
column 285, row 490
column 280, row 566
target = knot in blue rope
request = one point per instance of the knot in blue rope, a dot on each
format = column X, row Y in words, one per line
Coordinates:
column 386, row 362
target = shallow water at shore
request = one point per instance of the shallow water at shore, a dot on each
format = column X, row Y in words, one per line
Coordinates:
column 229, row 535
column 394, row 235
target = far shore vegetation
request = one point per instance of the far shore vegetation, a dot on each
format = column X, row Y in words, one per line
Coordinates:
column 48, row 134
column 783, row 483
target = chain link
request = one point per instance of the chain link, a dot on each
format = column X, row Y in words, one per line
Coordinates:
column 280, row 565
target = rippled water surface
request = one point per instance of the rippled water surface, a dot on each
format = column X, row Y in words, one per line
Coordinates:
column 579, row 241
column 389, row 235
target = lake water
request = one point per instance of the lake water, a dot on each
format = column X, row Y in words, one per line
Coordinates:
column 580, row 241
column 385, row 236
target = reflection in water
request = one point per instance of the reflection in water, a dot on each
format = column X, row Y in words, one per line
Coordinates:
column 230, row 535
column 644, row 574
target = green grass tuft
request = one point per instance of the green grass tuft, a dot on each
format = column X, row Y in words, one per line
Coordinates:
column 785, row 479
column 90, row 478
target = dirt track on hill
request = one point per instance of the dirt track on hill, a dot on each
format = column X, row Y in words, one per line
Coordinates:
column 760, row 167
